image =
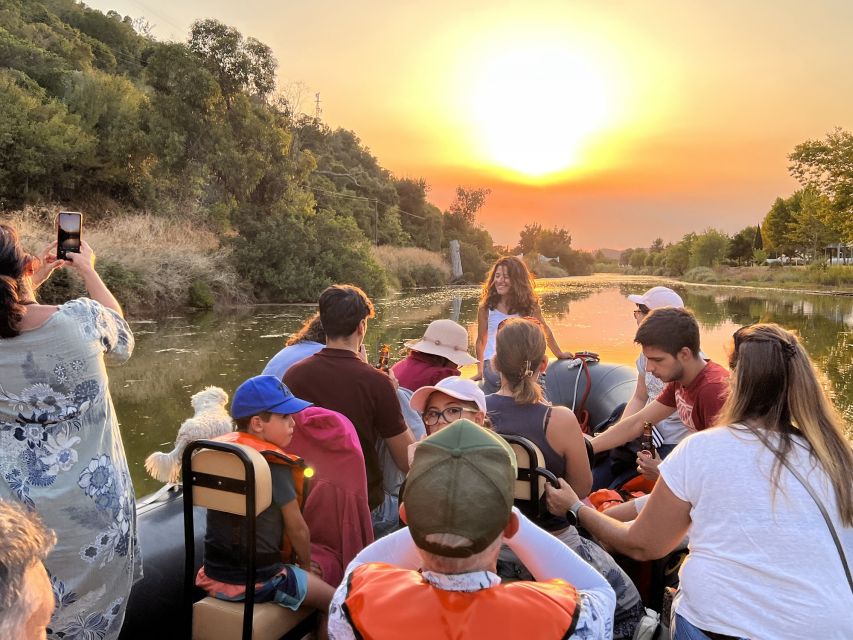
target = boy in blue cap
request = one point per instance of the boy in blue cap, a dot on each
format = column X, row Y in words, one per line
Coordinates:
column 263, row 409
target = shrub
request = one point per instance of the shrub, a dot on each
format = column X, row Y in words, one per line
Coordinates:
column 410, row 267
column 700, row 274
column 201, row 296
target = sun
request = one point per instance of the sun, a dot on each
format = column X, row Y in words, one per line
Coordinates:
column 532, row 109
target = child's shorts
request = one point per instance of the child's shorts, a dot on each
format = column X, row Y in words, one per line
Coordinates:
column 287, row 588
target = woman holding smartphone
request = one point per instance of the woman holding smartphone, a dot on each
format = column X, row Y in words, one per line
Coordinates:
column 61, row 453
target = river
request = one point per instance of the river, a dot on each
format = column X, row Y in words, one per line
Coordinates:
column 180, row 354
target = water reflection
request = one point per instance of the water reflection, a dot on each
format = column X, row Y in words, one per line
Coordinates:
column 180, row 354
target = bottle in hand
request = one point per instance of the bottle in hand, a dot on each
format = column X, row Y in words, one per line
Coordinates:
column 647, row 442
column 384, row 358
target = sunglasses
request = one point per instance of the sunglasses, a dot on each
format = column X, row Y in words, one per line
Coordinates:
column 641, row 310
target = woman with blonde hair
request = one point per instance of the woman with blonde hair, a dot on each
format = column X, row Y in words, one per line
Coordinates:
column 768, row 499
column 518, row 408
column 507, row 293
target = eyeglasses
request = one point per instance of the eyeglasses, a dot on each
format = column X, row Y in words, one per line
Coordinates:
column 528, row 318
column 641, row 310
column 451, row 414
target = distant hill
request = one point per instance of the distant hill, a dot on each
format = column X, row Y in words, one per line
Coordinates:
column 612, row 254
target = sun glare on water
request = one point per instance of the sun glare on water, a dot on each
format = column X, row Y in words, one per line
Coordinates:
column 534, row 108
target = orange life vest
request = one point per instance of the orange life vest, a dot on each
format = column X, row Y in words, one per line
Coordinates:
column 385, row 602
column 274, row 455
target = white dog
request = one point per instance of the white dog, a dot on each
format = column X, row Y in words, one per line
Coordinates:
column 211, row 419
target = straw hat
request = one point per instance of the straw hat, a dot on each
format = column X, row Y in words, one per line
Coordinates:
column 445, row 338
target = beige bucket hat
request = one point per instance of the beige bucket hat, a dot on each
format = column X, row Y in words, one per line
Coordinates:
column 445, row 338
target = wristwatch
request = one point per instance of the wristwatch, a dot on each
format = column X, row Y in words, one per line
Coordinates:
column 572, row 513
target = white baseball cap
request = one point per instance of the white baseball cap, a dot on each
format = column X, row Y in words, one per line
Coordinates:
column 453, row 386
column 658, row 297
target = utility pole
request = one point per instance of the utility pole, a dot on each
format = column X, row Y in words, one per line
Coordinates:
column 317, row 110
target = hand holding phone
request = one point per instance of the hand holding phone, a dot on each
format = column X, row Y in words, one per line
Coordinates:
column 69, row 233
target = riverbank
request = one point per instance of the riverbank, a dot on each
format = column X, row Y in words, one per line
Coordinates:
column 158, row 263
column 836, row 280
column 829, row 280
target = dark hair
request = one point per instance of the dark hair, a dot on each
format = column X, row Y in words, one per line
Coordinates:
column 521, row 298
column 342, row 307
column 774, row 384
column 243, row 423
column 13, row 264
column 670, row 329
column 311, row 330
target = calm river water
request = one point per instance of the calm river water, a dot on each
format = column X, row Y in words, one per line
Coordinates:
column 180, row 354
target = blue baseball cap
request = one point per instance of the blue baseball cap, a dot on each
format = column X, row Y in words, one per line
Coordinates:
column 265, row 393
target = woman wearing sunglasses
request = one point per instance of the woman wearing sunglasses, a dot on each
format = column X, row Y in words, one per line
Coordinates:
column 767, row 497
column 518, row 409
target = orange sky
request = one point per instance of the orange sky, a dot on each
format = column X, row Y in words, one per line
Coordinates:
column 662, row 117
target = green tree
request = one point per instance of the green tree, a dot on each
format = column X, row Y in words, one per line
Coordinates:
column 827, row 166
column 812, row 225
column 41, row 144
column 420, row 219
column 677, row 259
column 774, row 229
column 238, row 64
column 467, row 204
column 638, row 258
column 709, row 248
column 742, row 245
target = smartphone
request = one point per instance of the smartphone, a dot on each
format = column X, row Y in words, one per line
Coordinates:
column 69, row 225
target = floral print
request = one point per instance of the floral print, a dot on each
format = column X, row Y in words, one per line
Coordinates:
column 61, row 455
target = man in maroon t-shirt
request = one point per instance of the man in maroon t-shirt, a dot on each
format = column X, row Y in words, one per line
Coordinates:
column 697, row 388
column 337, row 378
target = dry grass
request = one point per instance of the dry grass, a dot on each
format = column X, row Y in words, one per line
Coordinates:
column 410, row 267
column 165, row 256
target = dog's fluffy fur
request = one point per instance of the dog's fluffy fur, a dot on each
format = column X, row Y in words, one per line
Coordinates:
column 211, row 419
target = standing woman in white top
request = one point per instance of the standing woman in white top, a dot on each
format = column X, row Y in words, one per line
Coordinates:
column 507, row 293
column 764, row 561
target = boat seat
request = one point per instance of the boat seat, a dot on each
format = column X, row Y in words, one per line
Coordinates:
column 232, row 478
column 532, row 475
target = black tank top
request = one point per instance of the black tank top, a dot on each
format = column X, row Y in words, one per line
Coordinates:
column 528, row 421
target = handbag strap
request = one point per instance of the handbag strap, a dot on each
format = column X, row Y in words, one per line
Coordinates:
column 825, row 515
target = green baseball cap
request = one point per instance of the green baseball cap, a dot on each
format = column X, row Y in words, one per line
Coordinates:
column 461, row 482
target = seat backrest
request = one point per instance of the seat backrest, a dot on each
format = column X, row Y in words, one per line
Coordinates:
column 528, row 457
column 531, row 478
column 225, row 473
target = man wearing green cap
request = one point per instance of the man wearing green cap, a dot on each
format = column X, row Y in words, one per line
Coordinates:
column 437, row 578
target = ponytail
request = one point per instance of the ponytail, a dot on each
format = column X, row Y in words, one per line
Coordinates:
column 519, row 350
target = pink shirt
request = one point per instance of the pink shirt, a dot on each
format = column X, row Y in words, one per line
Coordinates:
column 417, row 370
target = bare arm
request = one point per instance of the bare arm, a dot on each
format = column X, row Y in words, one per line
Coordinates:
column 564, row 435
column 482, row 337
column 549, row 336
column 84, row 264
column 631, row 427
column 297, row 532
column 658, row 529
column 639, row 399
column 398, row 446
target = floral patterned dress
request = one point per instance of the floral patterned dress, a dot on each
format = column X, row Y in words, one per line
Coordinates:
column 61, row 455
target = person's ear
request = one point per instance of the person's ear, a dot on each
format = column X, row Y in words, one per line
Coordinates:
column 480, row 418
column 543, row 366
column 403, row 513
column 256, row 425
column 685, row 354
column 512, row 526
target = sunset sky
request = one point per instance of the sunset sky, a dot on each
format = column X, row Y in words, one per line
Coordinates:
column 621, row 121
